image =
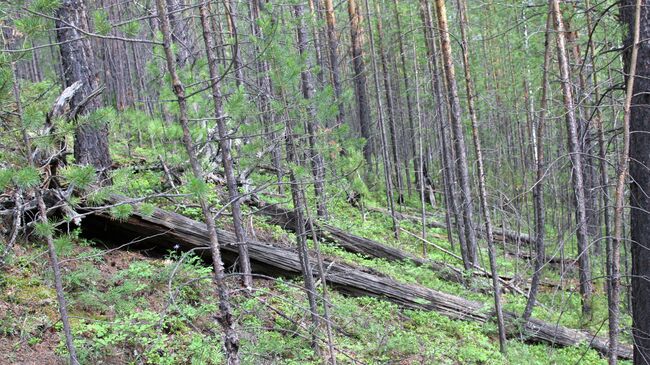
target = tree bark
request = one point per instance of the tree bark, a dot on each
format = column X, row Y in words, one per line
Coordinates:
column 333, row 44
column 226, row 153
column 469, row 86
column 538, row 189
column 359, row 77
column 264, row 83
column 225, row 318
column 458, row 131
column 390, row 108
column 91, row 139
column 614, row 297
column 639, row 160
column 576, row 160
column 307, row 86
column 382, row 131
column 448, row 175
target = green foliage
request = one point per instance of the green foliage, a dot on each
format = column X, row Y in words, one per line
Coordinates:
column 98, row 196
column 122, row 212
column 237, row 105
column 131, row 29
column 197, row 187
column 45, row 6
column 100, row 19
column 80, row 176
column 44, row 229
column 31, row 24
column 6, row 177
column 146, row 209
column 27, row 177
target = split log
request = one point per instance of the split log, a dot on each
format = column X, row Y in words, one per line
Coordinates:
column 166, row 229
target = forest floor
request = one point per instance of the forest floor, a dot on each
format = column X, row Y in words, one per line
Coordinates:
column 131, row 307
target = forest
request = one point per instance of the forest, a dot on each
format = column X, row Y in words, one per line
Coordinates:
column 324, row 182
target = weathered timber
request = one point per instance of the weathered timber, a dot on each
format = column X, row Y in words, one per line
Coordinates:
column 168, row 230
column 499, row 234
column 353, row 243
column 370, row 248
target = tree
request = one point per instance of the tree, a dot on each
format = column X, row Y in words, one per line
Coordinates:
column 448, row 173
column 637, row 20
column 332, row 47
column 359, row 77
column 538, row 189
column 225, row 142
column 471, row 106
column 307, row 86
column 614, row 292
column 576, row 161
column 77, row 57
column 458, row 135
column 382, row 130
column 225, row 319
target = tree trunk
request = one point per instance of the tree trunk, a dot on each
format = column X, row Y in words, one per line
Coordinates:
column 225, row 318
column 382, row 131
column 333, row 44
column 469, row 86
column 448, row 175
column 307, row 85
column 91, row 139
column 615, row 291
column 298, row 198
column 639, row 160
column 264, row 83
column 576, row 160
column 458, row 131
column 359, row 77
column 388, row 91
column 226, row 154
column 538, row 189
column 231, row 14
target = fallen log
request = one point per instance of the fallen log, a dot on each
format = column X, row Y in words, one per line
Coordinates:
column 352, row 243
column 370, row 248
column 499, row 234
column 164, row 229
column 549, row 260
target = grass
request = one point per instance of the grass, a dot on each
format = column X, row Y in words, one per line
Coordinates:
column 131, row 309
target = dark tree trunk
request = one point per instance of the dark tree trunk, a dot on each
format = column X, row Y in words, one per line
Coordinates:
column 332, row 46
column 538, row 189
column 363, row 107
column 180, row 32
column 485, row 209
column 639, row 162
column 91, row 139
column 382, row 131
column 390, row 108
column 264, row 83
column 448, row 175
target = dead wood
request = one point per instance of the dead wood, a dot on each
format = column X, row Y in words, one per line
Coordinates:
column 169, row 230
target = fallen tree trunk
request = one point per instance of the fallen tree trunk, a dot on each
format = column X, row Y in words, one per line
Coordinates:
column 167, row 230
column 549, row 260
column 499, row 234
column 353, row 243
column 367, row 247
